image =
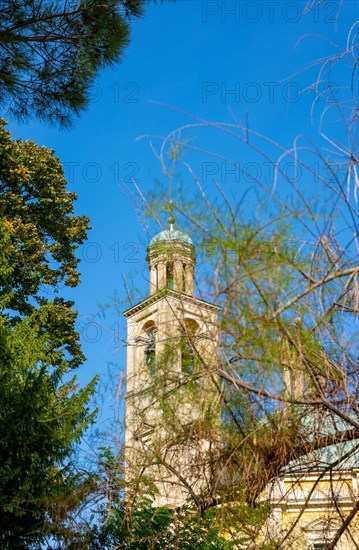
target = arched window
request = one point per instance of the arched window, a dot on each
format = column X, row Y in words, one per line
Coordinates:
column 150, row 354
column 184, row 282
column 187, row 357
column 188, row 352
column 150, row 346
column 169, row 275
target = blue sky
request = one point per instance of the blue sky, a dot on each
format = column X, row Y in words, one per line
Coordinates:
column 207, row 58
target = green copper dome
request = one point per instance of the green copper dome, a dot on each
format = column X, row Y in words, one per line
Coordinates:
column 171, row 234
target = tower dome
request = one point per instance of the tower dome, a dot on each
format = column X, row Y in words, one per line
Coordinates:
column 171, row 234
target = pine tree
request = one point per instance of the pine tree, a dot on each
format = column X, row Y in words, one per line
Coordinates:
column 51, row 52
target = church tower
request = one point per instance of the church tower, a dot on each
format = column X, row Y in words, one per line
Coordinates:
column 172, row 397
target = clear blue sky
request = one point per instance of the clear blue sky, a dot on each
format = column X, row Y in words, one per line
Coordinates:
column 204, row 57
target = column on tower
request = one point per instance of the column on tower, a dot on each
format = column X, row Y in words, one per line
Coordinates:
column 178, row 275
column 161, row 274
column 153, row 279
column 189, row 279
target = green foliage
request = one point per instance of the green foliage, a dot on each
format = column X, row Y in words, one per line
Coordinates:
column 43, row 413
column 38, row 231
column 133, row 522
column 143, row 527
column 40, row 420
column 51, row 52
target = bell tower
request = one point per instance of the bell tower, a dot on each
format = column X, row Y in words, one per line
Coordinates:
column 172, row 389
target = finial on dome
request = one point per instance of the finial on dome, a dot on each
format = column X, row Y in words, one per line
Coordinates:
column 171, row 218
column 171, row 234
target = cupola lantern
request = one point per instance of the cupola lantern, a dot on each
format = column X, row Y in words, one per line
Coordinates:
column 171, row 257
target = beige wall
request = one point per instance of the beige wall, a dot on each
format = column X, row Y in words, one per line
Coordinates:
column 166, row 413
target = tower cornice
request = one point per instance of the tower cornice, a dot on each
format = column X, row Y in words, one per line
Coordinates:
column 168, row 292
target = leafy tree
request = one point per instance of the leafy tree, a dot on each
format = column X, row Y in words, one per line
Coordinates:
column 149, row 528
column 51, row 52
column 43, row 413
